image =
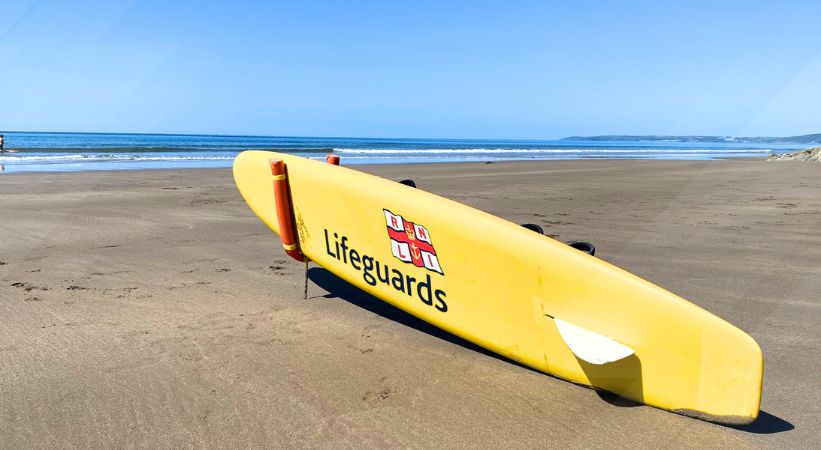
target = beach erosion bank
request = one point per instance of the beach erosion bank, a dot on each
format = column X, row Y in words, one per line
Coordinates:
column 152, row 308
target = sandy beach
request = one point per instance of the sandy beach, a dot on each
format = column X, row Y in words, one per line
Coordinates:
column 153, row 309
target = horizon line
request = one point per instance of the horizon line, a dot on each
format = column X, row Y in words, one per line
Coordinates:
column 568, row 137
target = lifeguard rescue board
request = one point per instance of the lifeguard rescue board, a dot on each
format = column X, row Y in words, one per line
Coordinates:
column 512, row 291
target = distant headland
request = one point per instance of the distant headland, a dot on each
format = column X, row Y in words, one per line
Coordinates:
column 805, row 139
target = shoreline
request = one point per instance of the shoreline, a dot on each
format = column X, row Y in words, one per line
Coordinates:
column 43, row 152
column 154, row 304
column 225, row 163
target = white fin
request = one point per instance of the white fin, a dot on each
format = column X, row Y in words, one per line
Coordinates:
column 591, row 347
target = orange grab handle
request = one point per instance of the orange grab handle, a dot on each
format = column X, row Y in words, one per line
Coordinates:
column 332, row 159
column 285, row 215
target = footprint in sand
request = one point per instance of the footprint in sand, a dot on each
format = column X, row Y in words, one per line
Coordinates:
column 382, row 394
column 206, row 201
column 76, row 288
column 28, row 287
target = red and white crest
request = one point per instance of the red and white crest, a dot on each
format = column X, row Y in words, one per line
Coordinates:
column 411, row 243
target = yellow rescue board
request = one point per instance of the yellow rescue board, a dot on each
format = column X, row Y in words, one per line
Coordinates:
column 510, row 290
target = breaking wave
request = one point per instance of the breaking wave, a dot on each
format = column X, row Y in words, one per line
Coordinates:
column 78, row 157
column 516, row 151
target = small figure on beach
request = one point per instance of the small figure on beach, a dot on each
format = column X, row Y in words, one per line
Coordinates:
column 3, row 145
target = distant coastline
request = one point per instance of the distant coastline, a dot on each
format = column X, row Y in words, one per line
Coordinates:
column 803, row 139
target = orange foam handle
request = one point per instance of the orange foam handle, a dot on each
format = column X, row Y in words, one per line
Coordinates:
column 332, row 159
column 285, row 215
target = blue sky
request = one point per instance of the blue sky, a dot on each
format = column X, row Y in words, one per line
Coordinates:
column 464, row 69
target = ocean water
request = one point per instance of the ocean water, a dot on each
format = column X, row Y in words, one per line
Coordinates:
column 103, row 151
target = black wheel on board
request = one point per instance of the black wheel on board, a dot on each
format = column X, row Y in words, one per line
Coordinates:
column 410, row 183
column 533, row 227
column 584, row 246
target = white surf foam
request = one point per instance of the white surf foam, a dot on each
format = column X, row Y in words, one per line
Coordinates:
column 449, row 151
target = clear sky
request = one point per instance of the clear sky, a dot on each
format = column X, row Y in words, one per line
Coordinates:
column 469, row 69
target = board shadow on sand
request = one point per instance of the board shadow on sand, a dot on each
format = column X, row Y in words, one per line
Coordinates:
column 765, row 424
column 339, row 288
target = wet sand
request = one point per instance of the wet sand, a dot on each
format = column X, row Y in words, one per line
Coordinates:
column 153, row 309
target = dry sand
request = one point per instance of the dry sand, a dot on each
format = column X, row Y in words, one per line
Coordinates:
column 153, row 309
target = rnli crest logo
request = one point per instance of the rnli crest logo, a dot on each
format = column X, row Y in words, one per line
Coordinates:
column 411, row 243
